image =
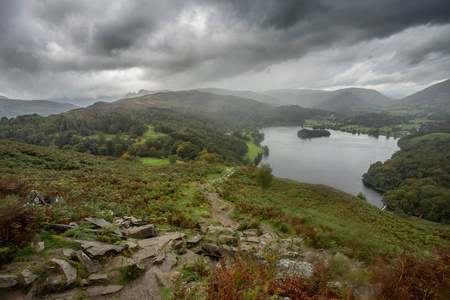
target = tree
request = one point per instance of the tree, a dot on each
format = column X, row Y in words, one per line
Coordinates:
column 172, row 159
column 264, row 176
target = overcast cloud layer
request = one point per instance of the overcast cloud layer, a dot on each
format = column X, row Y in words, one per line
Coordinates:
column 84, row 48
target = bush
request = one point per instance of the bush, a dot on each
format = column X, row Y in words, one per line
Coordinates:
column 245, row 278
column 411, row 277
column 17, row 226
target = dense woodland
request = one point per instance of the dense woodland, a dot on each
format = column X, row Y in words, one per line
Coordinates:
column 416, row 179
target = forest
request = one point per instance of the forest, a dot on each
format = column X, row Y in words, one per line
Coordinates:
column 416, row 179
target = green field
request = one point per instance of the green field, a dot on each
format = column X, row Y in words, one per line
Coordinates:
column 151, row 133
column 253, row 150
column 156, row 161
column 428, row 137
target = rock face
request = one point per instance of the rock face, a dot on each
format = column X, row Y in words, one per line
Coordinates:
column 142, row 232
column 69, row 271
column 7, row 281
column 98, row 248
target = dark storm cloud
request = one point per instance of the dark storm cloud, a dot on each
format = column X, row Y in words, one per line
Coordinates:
column 186, row 44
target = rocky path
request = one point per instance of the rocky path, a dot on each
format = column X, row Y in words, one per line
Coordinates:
column 221, row 209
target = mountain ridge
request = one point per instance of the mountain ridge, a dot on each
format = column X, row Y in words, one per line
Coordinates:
column 11, row 108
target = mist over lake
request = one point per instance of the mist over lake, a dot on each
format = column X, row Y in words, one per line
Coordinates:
column 338, row 161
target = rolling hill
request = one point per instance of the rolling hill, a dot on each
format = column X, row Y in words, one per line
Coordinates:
column 303, row 98
column 433, row 101
column 435, row 94
column 355, row 100
column 245, row 94
column 12, row 108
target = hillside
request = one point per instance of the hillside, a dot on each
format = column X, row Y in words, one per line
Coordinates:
column 224, row 108
column 197, row 209
column 437, row 93
column 244, row 94
column 143, row 92
column 12, row 108
column 303, row 98
column 355, row 100
column 371, row 97
column 343, row 102
column 434, row 101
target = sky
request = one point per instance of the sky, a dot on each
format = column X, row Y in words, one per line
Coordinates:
column 107, row 48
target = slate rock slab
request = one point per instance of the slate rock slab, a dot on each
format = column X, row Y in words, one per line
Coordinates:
column 69, row 271
column 142, row 232
column 102, row 223
column 194, row 240
column 149, row 255
column 98, row 248
column 161, row 241
column 91, row 265
column 7, row 281
column 29, row 276
column 121, row 262
column 98, row 278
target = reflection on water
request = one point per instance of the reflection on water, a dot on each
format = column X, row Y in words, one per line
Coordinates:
column 338, row 161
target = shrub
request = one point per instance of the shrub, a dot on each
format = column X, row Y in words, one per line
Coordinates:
column 412, row 277
column 245, row 277
column 17, row 226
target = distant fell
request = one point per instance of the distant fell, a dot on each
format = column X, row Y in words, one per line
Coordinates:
column 143, row 92
column 300, row 97
column 369, row 96
column 218, row 107
column 244, row 94
column 11, row 108
column 3, row 97
column 344, row 102
column 355, row 100
column 437, row 93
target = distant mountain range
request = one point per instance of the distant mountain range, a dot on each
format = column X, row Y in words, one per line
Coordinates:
column 351, row 100
column 143, row 93
column 12, row 108
column 434, row 99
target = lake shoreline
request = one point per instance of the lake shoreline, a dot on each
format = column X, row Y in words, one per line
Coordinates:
column 337, row 161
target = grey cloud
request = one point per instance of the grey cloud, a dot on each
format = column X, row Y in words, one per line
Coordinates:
column 54, row 39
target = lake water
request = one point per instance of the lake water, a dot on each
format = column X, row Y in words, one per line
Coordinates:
column 338, row 161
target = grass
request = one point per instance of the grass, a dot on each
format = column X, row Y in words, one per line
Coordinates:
column 156, row 161
column 428, row 137
column 253, row 150
column 329, row 218
column 151, row 133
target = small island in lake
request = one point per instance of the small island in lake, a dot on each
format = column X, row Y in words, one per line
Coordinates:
column 311, row 133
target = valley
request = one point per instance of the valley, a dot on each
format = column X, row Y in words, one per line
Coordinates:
column 184, row 163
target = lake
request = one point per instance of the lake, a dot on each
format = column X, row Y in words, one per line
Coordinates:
column 338, row 161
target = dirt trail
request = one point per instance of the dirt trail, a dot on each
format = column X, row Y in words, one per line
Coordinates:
column 221, row 209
